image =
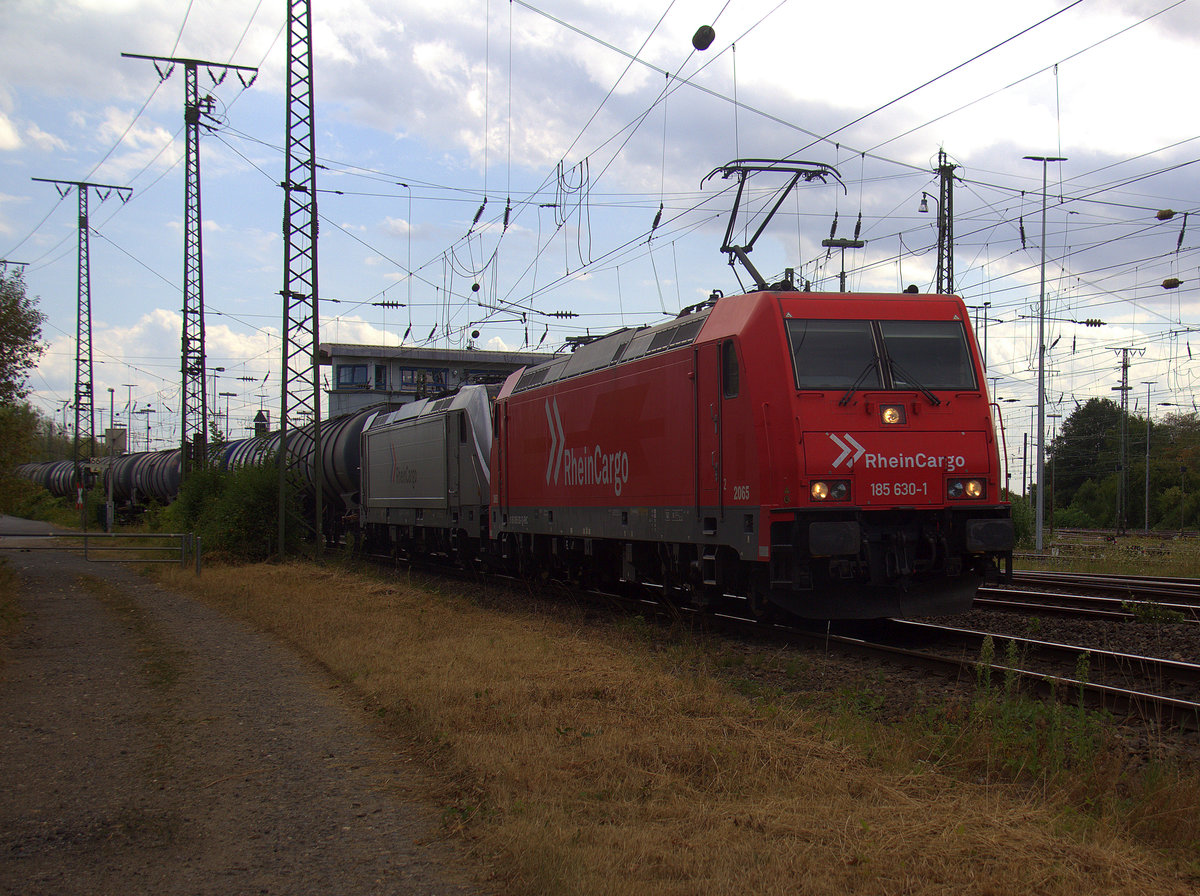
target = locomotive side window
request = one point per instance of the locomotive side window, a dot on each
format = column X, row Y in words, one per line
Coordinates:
column 729, row 370
column 928, row 353
column 833, row 354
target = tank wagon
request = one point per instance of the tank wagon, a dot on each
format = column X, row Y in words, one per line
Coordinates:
column 55, row 476
column 146, row 476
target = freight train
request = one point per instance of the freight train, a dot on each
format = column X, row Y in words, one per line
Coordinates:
column 826, row 455
column 831, row 456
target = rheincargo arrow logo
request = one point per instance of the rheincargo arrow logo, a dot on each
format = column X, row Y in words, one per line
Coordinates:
column 847, row 449
column 557, row 441
column 582, row 467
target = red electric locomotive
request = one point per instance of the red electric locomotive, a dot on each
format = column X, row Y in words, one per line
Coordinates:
column 832, row 455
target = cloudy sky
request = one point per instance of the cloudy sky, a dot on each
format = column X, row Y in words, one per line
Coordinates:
column 564, row 126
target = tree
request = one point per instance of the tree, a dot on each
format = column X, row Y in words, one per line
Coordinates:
column 20, row 335
column 20, row 347
column 1086, row 448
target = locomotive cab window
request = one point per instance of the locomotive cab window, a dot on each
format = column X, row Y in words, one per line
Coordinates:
column 890, row 354
column 834, row 354
column 928, row 353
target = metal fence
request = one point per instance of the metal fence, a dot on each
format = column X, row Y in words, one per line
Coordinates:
column 117, row 547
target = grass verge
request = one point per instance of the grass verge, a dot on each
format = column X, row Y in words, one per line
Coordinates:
column 1160, row 555
column 585, row 759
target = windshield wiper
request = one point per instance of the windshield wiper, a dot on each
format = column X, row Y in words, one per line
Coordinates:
column 911, row 380
column 873, row 364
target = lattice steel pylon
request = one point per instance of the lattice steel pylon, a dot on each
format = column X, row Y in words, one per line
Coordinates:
column 945, row 262
column 193, row 401
column 300, row 396
column 85, row 407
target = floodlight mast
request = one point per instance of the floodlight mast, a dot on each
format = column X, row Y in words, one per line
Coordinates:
column 1039, row 520
column 744, row 168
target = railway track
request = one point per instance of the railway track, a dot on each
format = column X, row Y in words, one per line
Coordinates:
column 1183, row 590
column 1160, row 689
column 1098, row 597
column 1163, row 691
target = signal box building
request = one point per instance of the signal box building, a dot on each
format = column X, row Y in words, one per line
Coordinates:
column 365, row 375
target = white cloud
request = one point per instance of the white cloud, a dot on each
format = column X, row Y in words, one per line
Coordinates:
column 397, row 227
column 9, row 139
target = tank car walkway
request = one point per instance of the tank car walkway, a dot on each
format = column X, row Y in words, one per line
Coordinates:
column 151, row 745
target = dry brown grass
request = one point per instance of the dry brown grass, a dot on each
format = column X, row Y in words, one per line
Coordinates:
column 582, row 762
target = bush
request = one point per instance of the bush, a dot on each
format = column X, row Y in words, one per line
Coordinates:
column 23, row 499
column 202, row 489
column 1022, row 516
column 1073, row 518
column 235, row 513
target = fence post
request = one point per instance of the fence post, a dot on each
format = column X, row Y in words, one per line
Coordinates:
column 197, row 537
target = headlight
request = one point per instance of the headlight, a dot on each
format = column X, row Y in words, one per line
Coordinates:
column 830, row 490
column 965, row 489
column 892, row 414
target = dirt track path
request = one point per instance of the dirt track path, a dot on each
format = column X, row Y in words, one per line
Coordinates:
column 151, row 745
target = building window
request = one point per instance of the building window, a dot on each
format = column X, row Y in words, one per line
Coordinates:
column 381, row 378
column 350, row 376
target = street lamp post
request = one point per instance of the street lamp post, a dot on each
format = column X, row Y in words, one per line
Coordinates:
column 923, row 208
column 215, row 371
column 108, row 509
column 227, row 396
column 1146, row 516
column 1041, row 396
column 146, row 412
column 1182, row 470
column 1053, row 468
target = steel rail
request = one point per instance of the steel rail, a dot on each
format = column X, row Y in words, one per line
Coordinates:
column 1079, row 604
column 1158, row 707
column 1131, row 586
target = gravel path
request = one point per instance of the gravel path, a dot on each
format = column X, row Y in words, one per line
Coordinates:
column 151, row 745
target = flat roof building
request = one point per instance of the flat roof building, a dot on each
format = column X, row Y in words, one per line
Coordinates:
column 364, row 375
